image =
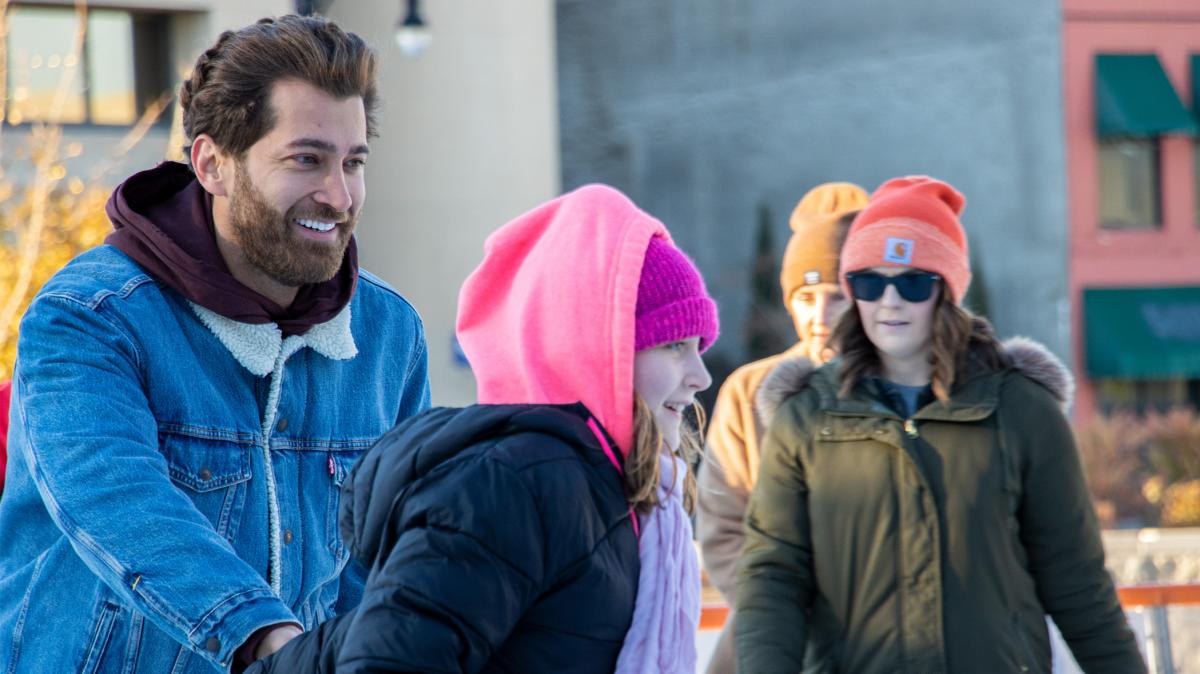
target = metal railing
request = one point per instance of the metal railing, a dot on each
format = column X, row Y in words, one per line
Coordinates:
column 1153, row 599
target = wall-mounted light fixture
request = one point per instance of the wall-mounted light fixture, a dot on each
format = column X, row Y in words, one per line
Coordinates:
column 310, row 7
column 412, row 35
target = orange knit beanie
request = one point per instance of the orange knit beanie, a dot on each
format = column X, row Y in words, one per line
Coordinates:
column 818, row 231
column 911, row 222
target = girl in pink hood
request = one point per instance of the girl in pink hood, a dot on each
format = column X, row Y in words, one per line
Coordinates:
column 545, row 529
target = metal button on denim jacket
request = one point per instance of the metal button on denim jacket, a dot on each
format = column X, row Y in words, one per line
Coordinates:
column 174, row 476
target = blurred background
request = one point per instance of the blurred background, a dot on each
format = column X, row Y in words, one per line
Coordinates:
column 1070, row 126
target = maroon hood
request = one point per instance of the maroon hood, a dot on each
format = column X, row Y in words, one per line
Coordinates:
column 162, row 218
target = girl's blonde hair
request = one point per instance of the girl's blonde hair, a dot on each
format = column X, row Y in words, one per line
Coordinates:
column 642, row 471
column 958, row 335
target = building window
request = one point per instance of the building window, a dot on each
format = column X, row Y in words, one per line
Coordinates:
column 1195, row 62
column 120, row 71
column 1136, row 105
column 1129, row 183
column 1196, row 178
column 1146, row 395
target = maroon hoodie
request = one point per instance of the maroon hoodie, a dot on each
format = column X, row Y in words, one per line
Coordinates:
column 162, row 218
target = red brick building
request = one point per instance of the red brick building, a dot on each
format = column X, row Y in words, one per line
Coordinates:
column 1132, row 108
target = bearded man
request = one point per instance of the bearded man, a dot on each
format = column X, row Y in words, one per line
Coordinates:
column 189, row 397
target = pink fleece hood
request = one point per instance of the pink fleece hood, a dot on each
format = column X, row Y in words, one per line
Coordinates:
column 548, row 316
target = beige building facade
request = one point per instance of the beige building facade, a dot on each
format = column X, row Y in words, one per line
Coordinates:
column 468, row 132
column 468, row 140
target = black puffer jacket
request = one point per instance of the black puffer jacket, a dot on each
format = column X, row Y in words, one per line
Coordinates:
column 498, row 540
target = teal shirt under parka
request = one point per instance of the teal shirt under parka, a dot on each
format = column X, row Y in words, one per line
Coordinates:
column 932, row 544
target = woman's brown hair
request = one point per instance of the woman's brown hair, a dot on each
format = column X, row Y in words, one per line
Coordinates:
column 958, row 336
column 642, row 468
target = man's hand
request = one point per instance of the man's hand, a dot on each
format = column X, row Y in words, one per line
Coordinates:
column 276, row 639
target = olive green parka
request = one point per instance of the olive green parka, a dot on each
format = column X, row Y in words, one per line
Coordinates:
column 929, row 545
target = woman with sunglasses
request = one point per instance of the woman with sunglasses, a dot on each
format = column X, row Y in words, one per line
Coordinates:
column 920, row 504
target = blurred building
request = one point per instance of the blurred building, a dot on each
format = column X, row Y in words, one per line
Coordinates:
column 1132, row 110
column 469, row 131
column 134, row 53
column 1070, row 128
column 468, row 140
column 707, row 111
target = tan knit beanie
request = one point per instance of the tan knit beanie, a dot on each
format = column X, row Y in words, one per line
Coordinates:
column 818, row 231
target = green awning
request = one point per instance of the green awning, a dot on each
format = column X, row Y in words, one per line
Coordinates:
column 1142, row 333
column 1135, row 98
column 1196, row 85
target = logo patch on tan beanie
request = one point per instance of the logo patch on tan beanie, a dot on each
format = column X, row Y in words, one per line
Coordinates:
column 812, row 278
column 898, row 250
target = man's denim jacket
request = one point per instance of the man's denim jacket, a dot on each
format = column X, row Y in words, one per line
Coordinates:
column 173, row 474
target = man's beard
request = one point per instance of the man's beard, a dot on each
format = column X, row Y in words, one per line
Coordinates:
column 269, row 242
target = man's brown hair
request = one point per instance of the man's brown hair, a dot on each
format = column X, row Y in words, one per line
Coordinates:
column 228, row 93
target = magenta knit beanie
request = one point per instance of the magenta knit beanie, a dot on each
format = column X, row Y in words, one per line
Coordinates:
column 672, row 303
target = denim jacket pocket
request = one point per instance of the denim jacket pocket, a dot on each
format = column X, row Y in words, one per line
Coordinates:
column 213, row 473
column 101, row 636
column 340, row 464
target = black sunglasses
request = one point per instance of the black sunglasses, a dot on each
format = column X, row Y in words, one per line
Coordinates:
column 913, row 286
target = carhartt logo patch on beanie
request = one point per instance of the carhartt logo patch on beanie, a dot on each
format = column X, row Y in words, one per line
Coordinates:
column 672, row 302
column 911, row 222
column 899, row 251
column 818, row 229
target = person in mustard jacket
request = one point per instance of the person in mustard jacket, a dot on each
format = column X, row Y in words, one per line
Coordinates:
column 814, row 299
column 920, row 506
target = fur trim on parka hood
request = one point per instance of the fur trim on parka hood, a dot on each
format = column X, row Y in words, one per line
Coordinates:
column 1026, row 356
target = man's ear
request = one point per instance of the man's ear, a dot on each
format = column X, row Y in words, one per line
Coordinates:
column 213, row 168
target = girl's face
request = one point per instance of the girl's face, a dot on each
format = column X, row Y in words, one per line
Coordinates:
column 668, row 377
column 900, row 329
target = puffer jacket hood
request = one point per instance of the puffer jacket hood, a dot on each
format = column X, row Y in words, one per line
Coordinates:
column 418, row 446
column 548, row 316
column 1024, row 355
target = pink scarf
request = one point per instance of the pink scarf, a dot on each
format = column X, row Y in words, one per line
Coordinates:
column 662, row 637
